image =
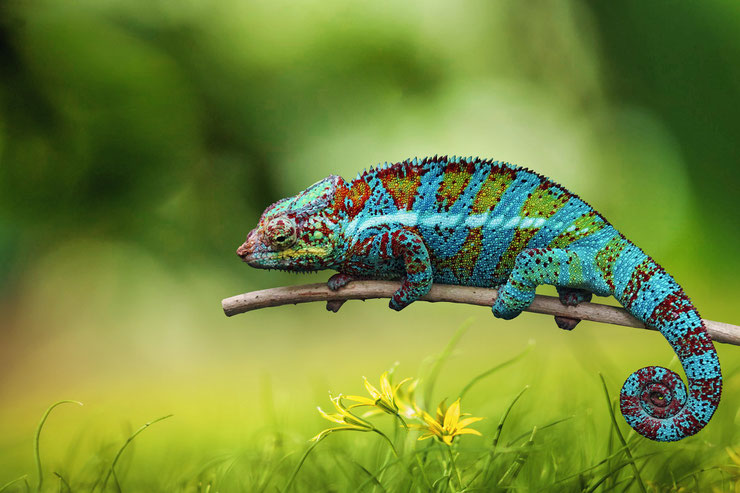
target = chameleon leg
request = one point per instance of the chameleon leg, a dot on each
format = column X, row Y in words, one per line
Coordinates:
column 571, row 297
column 418, row 280
column 390, row 254
column 533, row 267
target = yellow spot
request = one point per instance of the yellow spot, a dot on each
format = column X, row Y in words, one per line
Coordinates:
column 490, row 193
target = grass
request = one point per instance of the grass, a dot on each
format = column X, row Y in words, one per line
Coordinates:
column 517, row 451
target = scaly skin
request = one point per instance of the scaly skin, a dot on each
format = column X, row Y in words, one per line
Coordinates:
column 483, row 223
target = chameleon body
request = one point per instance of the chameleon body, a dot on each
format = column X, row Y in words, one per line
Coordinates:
column 486, row 223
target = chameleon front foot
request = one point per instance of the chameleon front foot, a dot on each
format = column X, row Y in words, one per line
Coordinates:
column 338, row 281
column 511, row 301
column 335, row 283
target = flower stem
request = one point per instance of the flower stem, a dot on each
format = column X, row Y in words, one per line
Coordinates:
column 390, row 442
column 300, row 463
column 454, row 467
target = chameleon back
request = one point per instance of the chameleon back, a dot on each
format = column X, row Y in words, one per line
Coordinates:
column 474, row 215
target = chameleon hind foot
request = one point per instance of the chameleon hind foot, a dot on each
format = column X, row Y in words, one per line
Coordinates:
column 571, row 297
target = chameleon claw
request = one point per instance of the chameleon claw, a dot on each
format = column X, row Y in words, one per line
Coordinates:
column 334, row 305
column 566, row 323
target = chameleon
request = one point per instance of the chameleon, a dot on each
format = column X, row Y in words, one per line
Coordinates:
column 478, row 222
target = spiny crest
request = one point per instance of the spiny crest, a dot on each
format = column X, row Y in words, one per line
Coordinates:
column 313, row 199
column 426, row 163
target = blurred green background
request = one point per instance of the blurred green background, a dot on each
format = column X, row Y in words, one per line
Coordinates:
column 140, row 141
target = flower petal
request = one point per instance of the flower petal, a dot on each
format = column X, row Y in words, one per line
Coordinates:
column 330, row 430
column 337, row 418
column 364, row 401
column 371, row 412
column 441, row 411
column 467, row 431
column 452, row 415
column 467, row 422
column 398, row 385
column 372, row 390
column 385, row 386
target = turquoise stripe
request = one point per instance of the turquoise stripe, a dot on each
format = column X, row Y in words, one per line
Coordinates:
column 624, row 266
column 559, row 222
column 496, row 238
column 702, row 366
column 652, row 293
column 426, row 194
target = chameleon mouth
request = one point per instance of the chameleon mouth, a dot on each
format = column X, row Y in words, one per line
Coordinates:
column 255, row 259
column 248, row 257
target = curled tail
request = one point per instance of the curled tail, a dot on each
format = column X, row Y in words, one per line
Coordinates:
column 654, row 400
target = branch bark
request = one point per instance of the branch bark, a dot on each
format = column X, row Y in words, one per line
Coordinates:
column 362, row 290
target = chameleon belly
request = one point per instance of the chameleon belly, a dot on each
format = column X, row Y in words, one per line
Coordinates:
column 486, row 223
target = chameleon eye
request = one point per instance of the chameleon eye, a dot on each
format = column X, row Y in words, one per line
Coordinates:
column 280, row 233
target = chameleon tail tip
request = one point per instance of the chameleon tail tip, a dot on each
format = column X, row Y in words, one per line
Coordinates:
column 654, row 402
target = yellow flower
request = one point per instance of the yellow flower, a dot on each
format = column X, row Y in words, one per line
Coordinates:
column 447, row 424
column 385, row 399
column 343, row 417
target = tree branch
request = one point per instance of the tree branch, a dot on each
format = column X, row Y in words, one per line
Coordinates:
column 362, row 290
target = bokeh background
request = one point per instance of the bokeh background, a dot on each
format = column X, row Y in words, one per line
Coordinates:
column 140, row 141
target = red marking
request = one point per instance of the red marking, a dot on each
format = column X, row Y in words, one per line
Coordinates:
column 648, row 427
column 640, row 274
column 401, row 181
column 688, row 425
column 358, row 195
column 709, row 389
column 339, row 196
column 384, row 238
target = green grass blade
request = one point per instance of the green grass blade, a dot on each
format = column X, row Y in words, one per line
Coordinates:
column 485, row 470
column 609, row 450
column 270, row 474
column 128, row 441
column 417, row 453
column 698, row 471
column 440, row 360
column 540, row 428
column 371, row 477
column 493, row 370
column 300, row 463
column 502, row 421
column 38, row 436
column 62, row 481
column 423, row 471
column 614, row 471
column 11, row 483
column 627, row 451
column 516, row 467
column 592, row 467
column 443, row 480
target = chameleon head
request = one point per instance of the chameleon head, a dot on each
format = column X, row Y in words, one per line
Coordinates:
column 299, row 233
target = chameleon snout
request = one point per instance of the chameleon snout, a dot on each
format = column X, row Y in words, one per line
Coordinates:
column 247, row 249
